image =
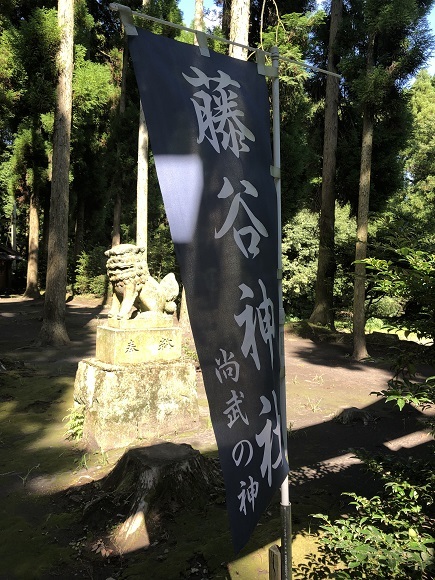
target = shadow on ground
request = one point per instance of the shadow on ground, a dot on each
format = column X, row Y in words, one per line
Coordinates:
column 46, row 482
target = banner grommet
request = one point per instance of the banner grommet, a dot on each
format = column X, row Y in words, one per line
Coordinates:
column 127, row 20
column 201, row 38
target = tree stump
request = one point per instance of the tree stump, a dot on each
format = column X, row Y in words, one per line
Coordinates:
column 148, row 483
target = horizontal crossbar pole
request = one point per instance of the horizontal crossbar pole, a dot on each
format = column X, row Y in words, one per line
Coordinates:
column 116, row 6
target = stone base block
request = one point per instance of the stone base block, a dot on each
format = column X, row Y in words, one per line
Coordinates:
column 130, row 345
column 124, row 404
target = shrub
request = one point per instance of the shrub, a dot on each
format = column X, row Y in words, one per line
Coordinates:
column 91, row 272
column 389, row 535
column 300, row 247
column 386, row 536
column 408, row 278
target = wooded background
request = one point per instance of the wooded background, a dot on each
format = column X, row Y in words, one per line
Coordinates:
column 358, row 154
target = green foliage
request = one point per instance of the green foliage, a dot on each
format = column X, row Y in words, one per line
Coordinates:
column 404, row 388
column 384, row 307
column 299, row 258
column 385, row 536
column 75, row 422
column 299, row 139
column 409, row 277
column 6, row 199
column 161, row 255
column 389, row 535
column 91, row 273
column 404, row 391
column 419, row 153
column 28, row 162
column 401, row 45
column 388, row 549
column 292, row 35
column 10, row 88
column 165, row 10
column 92, row 85
column 36, row 48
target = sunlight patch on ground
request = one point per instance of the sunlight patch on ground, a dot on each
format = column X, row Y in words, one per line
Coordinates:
column 256, row 564
column 409, row 441
column 323, row 468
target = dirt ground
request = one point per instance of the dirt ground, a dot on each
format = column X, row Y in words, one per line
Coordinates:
column 45, row 479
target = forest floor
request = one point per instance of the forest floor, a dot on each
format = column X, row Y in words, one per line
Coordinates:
column 46, row 480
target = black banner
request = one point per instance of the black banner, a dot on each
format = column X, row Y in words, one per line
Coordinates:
column 208, row 120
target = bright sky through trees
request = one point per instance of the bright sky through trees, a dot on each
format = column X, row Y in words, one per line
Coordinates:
column 188, row 9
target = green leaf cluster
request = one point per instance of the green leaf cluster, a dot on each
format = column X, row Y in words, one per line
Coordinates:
column 408, row 276
column 385, row 536
column 91, row 273
column 299, row 259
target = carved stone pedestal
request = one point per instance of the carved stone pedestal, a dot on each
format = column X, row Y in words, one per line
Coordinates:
column 130, row 342
column 137, row 387
column 126, row 403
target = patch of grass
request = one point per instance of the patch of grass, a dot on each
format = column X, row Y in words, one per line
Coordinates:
column 37, row 545
column 190, row 353
column 313, row 405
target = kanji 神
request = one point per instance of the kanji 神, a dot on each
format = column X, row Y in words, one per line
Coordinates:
column 249, row 493
column 253, row 231
column 265, row 439
column 227, row 367
column 217, row 114
column 234, row 412
column 248, row 318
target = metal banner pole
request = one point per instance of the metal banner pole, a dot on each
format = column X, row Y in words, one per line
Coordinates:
column 286, row 539
column 126, row 15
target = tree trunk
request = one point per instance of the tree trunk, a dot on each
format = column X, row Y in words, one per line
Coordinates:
column 43, row 253
column 239, row 28
column 226, row 18
column 323, row 312
column 198, row 23
column 147, row 483
column 116, row 230
column 142, row 179
column 359, row 338
column 80, row 227
column 32, row 290
column 53, row 329
column 142, row 183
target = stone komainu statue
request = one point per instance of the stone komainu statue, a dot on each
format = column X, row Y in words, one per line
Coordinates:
column 132, row 284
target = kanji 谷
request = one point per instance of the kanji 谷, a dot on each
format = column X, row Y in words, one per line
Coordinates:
column 253, row 231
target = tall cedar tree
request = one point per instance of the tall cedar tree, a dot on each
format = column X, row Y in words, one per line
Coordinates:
column 323, row 312
column 239, row 28
column 393, row 43
column 53, row 331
